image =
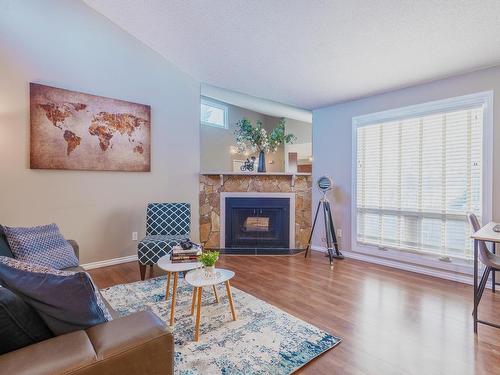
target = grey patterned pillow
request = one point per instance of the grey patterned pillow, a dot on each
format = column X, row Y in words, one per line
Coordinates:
column 43, row 245
column 66, row 301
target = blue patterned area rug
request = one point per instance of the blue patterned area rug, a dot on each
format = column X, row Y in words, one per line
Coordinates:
column 263, row 340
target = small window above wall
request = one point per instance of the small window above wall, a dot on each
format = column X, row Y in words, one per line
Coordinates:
column 213, row 114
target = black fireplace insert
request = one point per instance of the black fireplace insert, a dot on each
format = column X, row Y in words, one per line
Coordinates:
column 257, row 223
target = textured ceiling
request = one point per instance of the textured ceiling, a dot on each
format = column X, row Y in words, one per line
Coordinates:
column 311, row 53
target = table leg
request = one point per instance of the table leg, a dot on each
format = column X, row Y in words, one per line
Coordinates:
column 198, row 316
column 174, row 294
column 493, row 278
column 230, row 297
column 168, row 286
column 193, row 302
column 215, row 293
column 475, row 286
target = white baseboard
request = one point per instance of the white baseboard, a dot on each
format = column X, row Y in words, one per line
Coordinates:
column 443, row 274
column 109, row 262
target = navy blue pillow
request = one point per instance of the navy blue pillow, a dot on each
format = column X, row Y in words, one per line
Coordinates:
column 66, row 301
column 4, row 245
column 20, row 325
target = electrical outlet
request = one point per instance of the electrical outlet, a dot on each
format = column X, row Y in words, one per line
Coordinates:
column 134, row 236
column 339, row 232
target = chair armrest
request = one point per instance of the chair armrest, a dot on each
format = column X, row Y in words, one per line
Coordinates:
column 75, row 247
column 136, row 344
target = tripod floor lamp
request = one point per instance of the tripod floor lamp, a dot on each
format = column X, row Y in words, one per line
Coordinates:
column 325, row 184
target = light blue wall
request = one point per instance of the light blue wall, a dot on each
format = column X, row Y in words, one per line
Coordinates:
column 332, row 136
column 67, row 44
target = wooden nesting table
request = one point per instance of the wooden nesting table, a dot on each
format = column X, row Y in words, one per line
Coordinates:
column 198, row 279
column 174, row 268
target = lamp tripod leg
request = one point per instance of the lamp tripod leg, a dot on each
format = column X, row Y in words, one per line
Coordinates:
column 328, row 234
column 331, row 231
column 312, row 230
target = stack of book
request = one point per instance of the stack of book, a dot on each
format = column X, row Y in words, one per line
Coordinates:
column 179, row 255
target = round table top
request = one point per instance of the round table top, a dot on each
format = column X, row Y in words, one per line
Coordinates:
column 166, row 264
column 198, row 278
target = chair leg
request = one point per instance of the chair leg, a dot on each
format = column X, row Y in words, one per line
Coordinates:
column 480, row 292
column 480, row 289
column 151, row 271
column 142, row 270
column 483, row 277
column 493, row 281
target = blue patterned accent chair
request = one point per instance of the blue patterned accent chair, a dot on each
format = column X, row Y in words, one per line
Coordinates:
column 166, row 225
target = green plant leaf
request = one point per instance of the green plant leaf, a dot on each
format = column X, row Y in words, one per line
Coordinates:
column 208, row 258
column 257, row 138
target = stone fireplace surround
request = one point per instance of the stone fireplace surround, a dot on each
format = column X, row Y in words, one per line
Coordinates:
column 212, row 185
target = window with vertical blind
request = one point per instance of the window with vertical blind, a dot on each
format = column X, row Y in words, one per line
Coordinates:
column 418, row 172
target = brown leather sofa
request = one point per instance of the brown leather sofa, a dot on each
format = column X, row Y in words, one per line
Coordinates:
column 136, row 344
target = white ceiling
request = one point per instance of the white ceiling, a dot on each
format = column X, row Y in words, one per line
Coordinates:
column 312, row 53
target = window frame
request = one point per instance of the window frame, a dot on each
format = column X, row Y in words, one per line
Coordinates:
column 214, row 104
column 461, row 102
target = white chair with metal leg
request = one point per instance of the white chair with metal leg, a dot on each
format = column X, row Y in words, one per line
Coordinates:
column 490, row 260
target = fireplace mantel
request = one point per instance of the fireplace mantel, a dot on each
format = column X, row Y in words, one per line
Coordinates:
column 254, row 174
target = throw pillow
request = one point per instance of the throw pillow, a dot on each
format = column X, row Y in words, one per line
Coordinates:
column 43, row 245
column 20, row 325
column 66, row 301
column 4, row 245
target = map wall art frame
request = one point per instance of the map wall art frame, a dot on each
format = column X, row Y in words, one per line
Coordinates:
column 76, row 131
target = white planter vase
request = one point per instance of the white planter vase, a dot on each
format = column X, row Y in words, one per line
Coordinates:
column 209, row 270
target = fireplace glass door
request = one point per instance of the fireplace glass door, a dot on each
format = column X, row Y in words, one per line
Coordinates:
column 257, row 222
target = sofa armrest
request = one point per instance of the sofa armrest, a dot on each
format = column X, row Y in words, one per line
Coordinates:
column 136, row 344
column 75, row 247
column 58, row 355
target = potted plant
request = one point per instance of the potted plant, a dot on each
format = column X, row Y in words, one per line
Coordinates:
column 256, row 139
column 208, row 260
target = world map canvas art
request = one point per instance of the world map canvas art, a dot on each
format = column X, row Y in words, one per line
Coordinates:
column 77, row 131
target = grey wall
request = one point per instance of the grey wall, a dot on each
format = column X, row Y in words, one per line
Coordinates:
column 66, row 44
column 216, row 143
column 332, row 136
column 302, row 130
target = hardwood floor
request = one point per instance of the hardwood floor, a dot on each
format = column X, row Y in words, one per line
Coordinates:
column 390, row 321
